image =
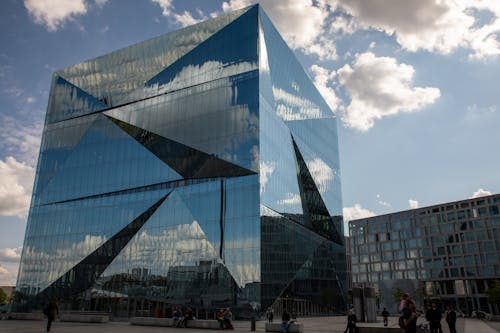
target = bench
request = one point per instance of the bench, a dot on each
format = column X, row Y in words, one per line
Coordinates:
column 84, row 318
column 169, row 322
column 25, row 316
column 276, row 327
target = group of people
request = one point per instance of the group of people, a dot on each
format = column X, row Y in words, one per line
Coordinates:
column 433, row 315
column 181, row 318
column 409, row 316
column 285, row 318
column 225, row 319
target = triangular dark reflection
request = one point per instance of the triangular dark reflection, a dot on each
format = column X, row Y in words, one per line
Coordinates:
column 235, row 46
column 316, row 214
column 83, row 275
column 69, row 101
column 286, row 247
column 187, row 161
column 327, row 261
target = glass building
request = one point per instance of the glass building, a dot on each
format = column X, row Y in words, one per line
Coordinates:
column 197, row 168
column 449, row 253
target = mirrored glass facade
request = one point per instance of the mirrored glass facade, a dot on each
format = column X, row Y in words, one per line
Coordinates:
column 199, row 168
column 448, row 252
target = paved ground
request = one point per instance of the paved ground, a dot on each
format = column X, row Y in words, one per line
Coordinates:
column 311, row 325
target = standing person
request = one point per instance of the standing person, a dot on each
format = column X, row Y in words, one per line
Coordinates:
column 402, row 304
column 285, row 321
column 270, row 314
column 433, row 315
column 351, row 322
column 228, row 318
column 410, row 317
column 451, row 319
column 51, row 311
column 385, row 315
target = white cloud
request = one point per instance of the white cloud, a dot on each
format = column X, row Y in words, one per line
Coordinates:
column 321, row 173
column 293, row 199
column 300, row 22
column 439, row 26
column 183, row 19
column 265, row 171
column 323, row 78
column 24, row 143
column 480, row 193
column 53, row 13
column 413, row 203
column 356, row 212
column 380, row 87
column 11, row 254
column 8, row 274
column 16, row 182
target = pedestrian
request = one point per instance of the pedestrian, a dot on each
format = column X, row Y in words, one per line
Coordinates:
column 402, row 304
column 51, row 311
column 385, row 315
column 433, row 316
column 285, row 321
column 228, row 318
column 451, row 319
column 351, row 322
column 270, row 314
column 410, row 317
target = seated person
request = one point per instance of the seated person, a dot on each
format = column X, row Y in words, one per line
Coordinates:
column 285, row 321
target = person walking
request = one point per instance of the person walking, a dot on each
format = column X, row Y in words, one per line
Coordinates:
column 51, row 311
column 220, row 318
column 351, row 322
column 451, row 319
column 270, row 314
column 433, row 315
column 385, row 315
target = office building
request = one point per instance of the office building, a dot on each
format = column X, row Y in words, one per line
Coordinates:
column 198, row 168
column 449, row 253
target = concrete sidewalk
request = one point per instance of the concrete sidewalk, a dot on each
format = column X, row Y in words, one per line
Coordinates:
column 311, row 325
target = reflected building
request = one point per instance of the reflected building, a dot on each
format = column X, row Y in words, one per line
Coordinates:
column 449, row 253
column 197, row 168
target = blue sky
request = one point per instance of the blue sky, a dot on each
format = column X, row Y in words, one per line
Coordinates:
column 414, row 84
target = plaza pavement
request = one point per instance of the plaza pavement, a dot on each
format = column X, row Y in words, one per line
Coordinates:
column 311, row 325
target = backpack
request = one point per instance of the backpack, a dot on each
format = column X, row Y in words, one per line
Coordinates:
column 401, row 322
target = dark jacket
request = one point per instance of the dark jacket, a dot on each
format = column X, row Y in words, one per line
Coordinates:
column 433, row 315
column 285, row 316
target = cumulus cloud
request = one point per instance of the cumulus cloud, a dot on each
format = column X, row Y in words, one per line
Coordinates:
column 439, row 26
column 356, row 212
column 322, row 173
column 265, row 171
column 380, row 87
column 480, row 193
column 20, row 140
column 16, row 182
column 53, row 13
column 183, row 19
column 300, row 22
column 291, row 200
column 11, row 254
column 323, row 79
column 8, row 274
column 413, row 203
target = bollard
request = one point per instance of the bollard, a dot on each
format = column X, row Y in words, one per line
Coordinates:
column 252, row 324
